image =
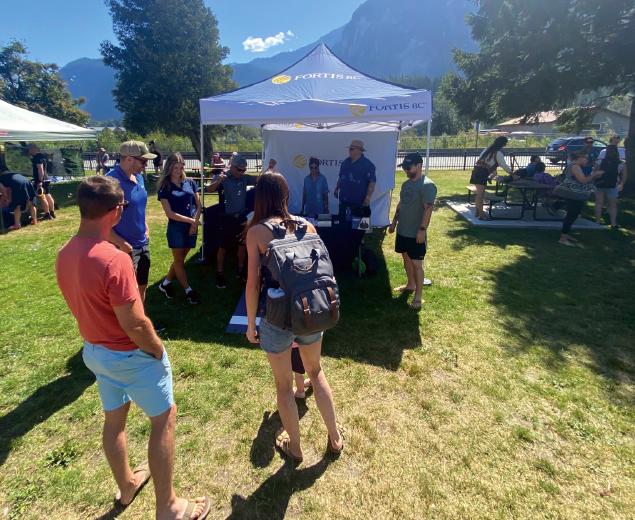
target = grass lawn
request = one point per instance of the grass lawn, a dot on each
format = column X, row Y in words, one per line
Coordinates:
column 509, row 396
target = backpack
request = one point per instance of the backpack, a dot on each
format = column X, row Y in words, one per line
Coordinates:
column 301, row 265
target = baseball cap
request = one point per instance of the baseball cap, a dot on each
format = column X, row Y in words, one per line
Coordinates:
column 239, row 161
column 135, row 149
column 411, row 160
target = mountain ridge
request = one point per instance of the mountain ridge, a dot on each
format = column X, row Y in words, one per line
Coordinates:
column 372, row 41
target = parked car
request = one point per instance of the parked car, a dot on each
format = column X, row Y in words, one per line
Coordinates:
column 559, row 149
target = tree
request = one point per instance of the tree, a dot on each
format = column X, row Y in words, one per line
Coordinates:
column 168, row 57
column 540, row 55
column 37, row 86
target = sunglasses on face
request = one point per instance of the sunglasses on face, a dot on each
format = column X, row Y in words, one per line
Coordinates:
column 241, row 170
column 123, row 205
column 353, row 148
column 141, row 160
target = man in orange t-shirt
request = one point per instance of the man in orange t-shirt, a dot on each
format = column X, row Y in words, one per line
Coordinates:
column 121, row 348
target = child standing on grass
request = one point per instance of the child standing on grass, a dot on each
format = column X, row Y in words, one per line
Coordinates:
column 301, row 384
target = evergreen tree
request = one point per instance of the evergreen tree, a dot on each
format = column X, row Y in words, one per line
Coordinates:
column 168, row 57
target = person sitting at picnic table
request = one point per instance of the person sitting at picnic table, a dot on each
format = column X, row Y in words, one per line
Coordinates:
column 356, row 182
column 234, row 187
column 485, row 169
column 17, row 193
column 315, row 192
column 180, row 200
column 576, row 181
column 530, row 169
column 609, row 185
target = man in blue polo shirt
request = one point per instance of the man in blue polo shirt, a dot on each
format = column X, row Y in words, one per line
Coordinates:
column 356, row 181
column 131, row 234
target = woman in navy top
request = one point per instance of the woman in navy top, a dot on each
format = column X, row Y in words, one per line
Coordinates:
column 179, row 197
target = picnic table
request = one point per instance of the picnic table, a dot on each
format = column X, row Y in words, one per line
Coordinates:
column 532, row 192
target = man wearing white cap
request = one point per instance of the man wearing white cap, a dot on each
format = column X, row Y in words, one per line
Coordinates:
column 356, row 181
column 131, row 234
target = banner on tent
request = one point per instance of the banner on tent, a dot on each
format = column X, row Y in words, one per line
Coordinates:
column 292, row 150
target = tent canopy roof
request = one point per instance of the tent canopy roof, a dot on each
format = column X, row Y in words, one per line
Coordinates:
column 318, row 88
column 18, row 124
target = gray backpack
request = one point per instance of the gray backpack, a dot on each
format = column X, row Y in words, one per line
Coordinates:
column 308, row 301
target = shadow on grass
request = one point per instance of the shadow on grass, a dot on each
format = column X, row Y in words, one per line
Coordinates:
column 565, row 298
column 374, row 327
column 271, row 499
column 263, row 446
column 43, row 403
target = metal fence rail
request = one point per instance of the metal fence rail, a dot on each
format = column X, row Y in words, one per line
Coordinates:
column 440, row 159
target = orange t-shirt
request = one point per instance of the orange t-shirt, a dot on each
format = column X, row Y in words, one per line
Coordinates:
column 94, row 276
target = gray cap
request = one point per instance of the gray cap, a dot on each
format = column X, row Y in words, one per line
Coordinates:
column 239, row 161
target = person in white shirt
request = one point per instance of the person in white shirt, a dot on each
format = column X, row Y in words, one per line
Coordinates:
column 484, row 169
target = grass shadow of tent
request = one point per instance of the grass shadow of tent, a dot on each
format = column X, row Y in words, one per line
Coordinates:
column 374, row 328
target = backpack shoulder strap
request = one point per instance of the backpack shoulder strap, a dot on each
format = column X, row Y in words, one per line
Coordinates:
column 277, row 229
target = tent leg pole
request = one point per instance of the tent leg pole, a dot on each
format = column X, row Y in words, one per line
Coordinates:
column 202, row 152
column 429, row 123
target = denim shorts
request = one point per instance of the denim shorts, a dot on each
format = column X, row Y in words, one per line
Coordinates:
column 276, row 340
column 130, row 375
column 179, row 235
column 611, row 193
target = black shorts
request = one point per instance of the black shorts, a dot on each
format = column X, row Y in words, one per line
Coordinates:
column 479, row 176
column 232, row 228
column 410, row 247
column 43, row 188
column 141, row 263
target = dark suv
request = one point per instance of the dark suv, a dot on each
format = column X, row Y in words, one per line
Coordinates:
column 559, row 149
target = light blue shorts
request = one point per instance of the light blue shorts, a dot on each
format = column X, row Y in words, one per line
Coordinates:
column 611, row 193
column 128, row 375
column 275, row 340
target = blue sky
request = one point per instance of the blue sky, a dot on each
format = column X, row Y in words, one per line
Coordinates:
column 69, row 29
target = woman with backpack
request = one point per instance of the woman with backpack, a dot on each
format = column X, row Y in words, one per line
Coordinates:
column 273, row 222
column 484, row 169
column 609, row 186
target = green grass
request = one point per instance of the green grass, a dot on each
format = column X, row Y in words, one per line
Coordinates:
column 509, row 396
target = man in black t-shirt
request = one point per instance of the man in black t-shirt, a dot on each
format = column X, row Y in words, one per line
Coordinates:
column 41, row 182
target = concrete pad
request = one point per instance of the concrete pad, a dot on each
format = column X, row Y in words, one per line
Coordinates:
column 466, row 211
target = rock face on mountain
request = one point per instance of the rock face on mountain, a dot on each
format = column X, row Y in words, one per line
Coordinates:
column 91, row 79
column 384, row 38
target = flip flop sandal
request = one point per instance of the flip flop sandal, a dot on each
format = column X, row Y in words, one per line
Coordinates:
column 191, row 506
column 403, row 289
column 416, row 304
column 329, row 445
column 141, row 467
column 283, row 445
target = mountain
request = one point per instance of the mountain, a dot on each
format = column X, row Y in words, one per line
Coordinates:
column 384, row 38
column 91, row 79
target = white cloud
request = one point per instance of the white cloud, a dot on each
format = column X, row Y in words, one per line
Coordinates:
column 252, row 44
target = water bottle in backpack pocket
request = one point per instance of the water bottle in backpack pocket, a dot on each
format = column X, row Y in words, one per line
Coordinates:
column 277, row 308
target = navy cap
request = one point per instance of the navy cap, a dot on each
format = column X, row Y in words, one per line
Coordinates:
column 411, row 160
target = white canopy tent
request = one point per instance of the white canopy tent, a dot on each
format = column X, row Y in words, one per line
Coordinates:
column 18, row 124
column 318, row 95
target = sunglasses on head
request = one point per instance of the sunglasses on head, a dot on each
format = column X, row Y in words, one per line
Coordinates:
column 123, row 205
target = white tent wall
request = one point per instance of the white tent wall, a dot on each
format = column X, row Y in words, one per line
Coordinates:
column 18, row 124
column 292, row 146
